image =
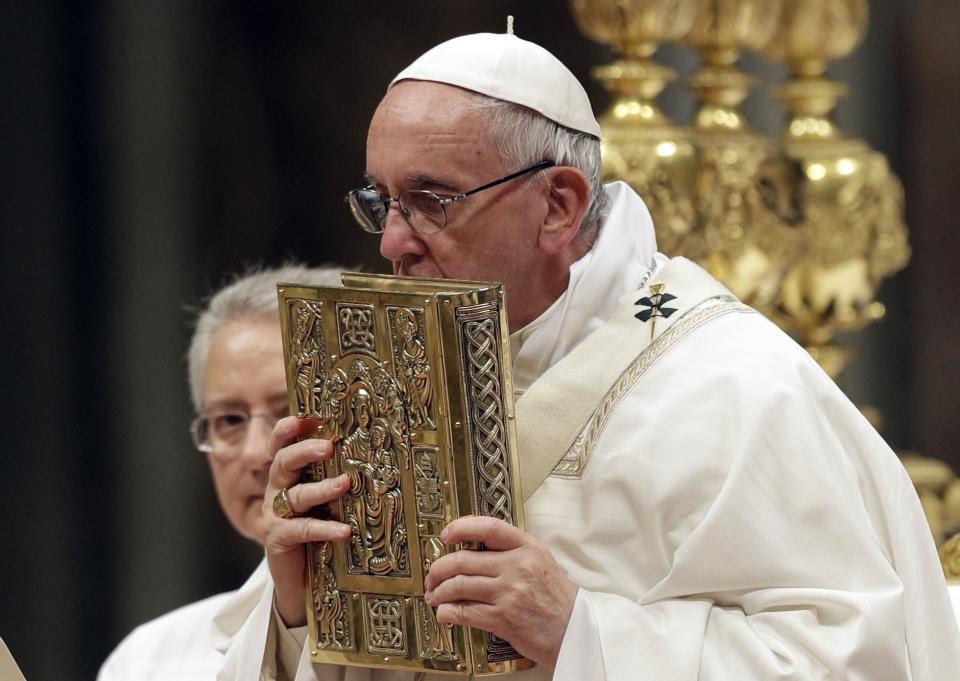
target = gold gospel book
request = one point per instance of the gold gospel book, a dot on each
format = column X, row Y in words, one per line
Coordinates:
column 411, row 381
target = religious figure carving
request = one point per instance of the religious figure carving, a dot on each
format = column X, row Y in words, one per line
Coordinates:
column 413, row 368
column 426, row 471
column 436, row 640
column 374, row 501
column 306, row 357
column 332, row 403
column 333, row 628
column 386, row 395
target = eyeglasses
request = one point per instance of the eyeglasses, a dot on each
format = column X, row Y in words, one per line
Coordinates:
column 426, row 211
column 225, row 432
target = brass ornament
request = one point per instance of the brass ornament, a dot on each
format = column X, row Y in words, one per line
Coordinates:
column 408, row 379
column 852, row 204
column 640, row 144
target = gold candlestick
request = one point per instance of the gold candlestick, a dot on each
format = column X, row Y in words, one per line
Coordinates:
column 641, row 145
column 746, row 241
column 851, row 204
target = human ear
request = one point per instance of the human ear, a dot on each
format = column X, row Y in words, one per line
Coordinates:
column 567, row 193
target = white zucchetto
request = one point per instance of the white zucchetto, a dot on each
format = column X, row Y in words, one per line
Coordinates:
column 503, row 66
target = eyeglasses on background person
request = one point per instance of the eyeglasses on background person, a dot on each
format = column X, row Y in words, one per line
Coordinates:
column 224, row 432
column 425, row 211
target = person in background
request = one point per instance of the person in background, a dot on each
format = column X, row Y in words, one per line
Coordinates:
column 238, row 387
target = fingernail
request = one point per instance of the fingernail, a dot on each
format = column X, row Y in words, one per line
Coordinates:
column 427, row 596
column 443, row 535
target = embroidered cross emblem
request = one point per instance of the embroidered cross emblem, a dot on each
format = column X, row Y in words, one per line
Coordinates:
column 655, row 306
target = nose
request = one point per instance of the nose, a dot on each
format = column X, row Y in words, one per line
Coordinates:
column 256, row 447
column 398, row 239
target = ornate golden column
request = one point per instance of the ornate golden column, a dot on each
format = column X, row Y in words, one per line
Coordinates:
column 640, row 144
column 851, row 204
column 746, row 242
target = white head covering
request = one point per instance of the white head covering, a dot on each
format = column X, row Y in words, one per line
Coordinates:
column 505, row 67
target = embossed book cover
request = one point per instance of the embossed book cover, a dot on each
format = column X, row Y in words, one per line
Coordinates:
column 411, row 378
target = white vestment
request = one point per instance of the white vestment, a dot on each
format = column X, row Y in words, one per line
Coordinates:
column 173, row 647
column 735, row 517
column 184, row 645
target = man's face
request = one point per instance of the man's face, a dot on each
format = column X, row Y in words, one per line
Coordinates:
column 245, row 373
column 427, row 136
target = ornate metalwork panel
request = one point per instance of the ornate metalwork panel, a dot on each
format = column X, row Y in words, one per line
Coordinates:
column 435, row 641
column 330, row 606
column 371, row 448
column 308, row 354
column 426, row 472
column 355, row 325
column 416, row 400
column 414, row 373
column 482, row 369
column 385, row 625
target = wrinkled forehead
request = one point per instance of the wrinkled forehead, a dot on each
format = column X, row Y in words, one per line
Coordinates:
column 427, row 105
column 423, row 121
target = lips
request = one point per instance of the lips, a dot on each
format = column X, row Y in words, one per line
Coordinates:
column 420, row 269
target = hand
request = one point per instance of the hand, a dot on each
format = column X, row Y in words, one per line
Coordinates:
column 515, row 589
column 285, row 537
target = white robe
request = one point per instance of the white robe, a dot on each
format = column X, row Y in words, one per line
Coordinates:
column 737, row 518
column 173, row 647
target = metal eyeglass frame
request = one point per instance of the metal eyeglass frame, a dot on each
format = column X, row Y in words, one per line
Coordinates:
column 370, row 224
column 201, row 426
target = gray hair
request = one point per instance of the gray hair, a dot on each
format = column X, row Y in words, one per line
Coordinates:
column 249, row 295
column 525, row 137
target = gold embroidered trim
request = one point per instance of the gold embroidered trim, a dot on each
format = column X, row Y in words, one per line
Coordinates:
column 575, row 461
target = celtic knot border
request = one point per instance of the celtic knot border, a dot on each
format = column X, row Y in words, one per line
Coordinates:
column 480, row 335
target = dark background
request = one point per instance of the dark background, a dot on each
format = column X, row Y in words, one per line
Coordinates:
column 150, row 148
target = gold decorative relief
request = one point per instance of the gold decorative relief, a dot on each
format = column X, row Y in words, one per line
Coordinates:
column 329, row 604
column 435, row 639
column 385, row 625
column 370, row 450
column 414, row 374
column 481, row 342
column 308, row 354
column 355, row 324
column 416, row 400
column 426, row 472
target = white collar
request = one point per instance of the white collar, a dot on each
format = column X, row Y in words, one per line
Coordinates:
column 624, row 254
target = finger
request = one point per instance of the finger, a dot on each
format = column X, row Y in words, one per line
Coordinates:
column 466, row 562
column 305, row 496
column 289, row 429
column 293, row 533
column 289, row 462
column 473, row 588
column 493, row 533
column 475, row 615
